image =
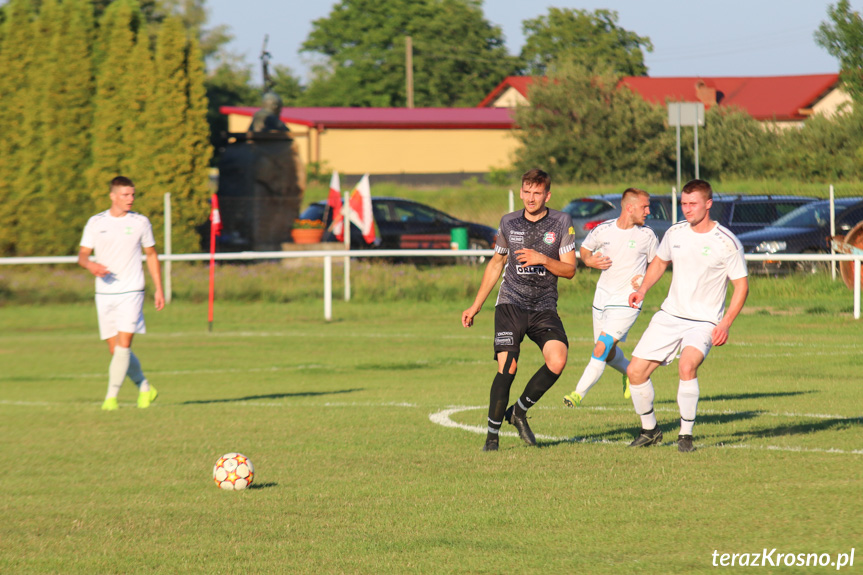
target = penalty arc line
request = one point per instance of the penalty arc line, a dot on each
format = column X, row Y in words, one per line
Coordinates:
column 444, row 419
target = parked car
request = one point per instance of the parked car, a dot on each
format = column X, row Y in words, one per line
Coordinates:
column 405, row 224
column 589, row 212
column 744, row 213
column 805, row 230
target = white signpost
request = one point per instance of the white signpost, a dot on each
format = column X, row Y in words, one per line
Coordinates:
column 685, row 114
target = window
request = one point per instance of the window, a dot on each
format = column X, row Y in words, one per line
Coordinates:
column 752, row 213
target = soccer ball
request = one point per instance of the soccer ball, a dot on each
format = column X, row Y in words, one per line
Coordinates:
column 233, row 472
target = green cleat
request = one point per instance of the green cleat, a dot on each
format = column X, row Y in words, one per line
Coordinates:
column 145, row 398
column 110, row 404
column 627, row 393
column 572, row 400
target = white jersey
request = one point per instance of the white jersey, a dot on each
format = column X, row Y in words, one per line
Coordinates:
column 702, row 265
column 117, row 244
column 630, row 252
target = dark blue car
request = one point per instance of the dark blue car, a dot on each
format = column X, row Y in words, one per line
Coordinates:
column 805, row 230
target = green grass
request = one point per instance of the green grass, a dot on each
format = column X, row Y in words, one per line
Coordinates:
column 354, row 476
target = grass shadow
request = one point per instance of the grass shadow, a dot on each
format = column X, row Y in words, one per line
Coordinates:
column 739, row 396
column 263, row 485
column 270, row 396
column 800, row 428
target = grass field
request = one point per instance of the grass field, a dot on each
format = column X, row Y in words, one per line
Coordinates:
column 366, row 436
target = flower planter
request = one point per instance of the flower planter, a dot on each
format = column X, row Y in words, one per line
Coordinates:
column 307, row 236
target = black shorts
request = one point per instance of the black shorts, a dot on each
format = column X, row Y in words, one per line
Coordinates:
column 512, row 323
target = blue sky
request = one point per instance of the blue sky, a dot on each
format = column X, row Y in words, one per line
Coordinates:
column 690, row 37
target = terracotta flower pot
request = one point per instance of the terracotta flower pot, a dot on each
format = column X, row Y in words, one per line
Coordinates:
column 307, row 236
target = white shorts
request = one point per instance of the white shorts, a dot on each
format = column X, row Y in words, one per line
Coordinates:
column 120, row 312
column 667, row 335
column 615, row 321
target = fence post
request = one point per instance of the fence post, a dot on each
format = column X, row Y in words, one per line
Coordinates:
column 168, row 250
column 857, row 288
column 328, row 288
column 832, row 231
column 346, row 225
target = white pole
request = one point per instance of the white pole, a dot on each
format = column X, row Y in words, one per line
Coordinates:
column 857, row 289
column 673, row 205
column 832, row 231
column 346, row 224
column 167, row 268
column 328, row 288
column 511, row 201
column 679, row 106
column 697, row 176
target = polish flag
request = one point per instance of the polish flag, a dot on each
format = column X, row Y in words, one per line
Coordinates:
column 361, row 209
column 334, row 203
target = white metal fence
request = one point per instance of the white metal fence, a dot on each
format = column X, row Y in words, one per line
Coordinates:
column 328, row 256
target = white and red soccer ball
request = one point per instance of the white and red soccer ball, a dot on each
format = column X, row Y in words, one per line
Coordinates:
column 233, row 472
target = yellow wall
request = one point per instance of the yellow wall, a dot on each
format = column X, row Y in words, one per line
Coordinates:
column 400, row 151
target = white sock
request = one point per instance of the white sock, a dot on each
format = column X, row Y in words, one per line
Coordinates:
column 591, row 375
column 642, row 399
column 619, row 361
column 687, row 401
column 136, row 374
column 117, row 370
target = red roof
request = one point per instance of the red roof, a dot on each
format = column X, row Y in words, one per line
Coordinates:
column 391, row 118
column 763, row 97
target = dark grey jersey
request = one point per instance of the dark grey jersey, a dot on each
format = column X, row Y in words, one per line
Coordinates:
column 532, row 287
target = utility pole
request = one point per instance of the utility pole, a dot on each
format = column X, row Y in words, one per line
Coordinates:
column 409, row 67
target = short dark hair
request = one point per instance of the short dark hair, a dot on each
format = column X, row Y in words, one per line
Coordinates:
column 536, row 176
column 628, row 192
column 702, row 186
column 121, row 182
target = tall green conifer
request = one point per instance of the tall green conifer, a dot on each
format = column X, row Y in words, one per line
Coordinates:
column 31, row 233
column 68, row 119
column 113, row 52
column 14, row 81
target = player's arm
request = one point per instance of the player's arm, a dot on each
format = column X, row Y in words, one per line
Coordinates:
column 738, row 298
column 489, row 279
column 155, row 273
column 562, row 268
column 94, row 268
column 594, row 260
column 654, row 271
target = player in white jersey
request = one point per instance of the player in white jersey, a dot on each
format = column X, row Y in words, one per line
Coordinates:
column 692, row 319
column 117, row 237
column 621, row 248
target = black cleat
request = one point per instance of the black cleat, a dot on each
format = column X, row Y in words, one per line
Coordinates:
column 684, row 444
column 491, row 444
column 520, row 423
column 648, row 437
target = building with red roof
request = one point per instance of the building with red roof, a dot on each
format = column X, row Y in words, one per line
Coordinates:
column 408, row 144
column 782, row 100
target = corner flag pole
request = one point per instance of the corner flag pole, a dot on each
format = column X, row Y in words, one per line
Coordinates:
column 215, row 230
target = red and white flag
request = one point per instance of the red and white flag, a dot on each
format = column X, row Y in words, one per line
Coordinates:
column 215, row 217
column 334, row 203
column 361, row 209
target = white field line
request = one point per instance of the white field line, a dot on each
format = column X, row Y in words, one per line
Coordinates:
column 443, row 418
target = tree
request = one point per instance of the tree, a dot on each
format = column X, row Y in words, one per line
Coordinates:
column 118, row 30
column 458, row 56
column 588, row 38
column 582, row 125
column 15, row 62
column 286, row 85
column 843, row 39
column 68, row 116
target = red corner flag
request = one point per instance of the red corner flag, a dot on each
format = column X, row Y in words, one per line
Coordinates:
column 215, row 230
column 334, row 203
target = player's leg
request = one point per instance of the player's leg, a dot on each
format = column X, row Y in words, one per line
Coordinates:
column 696, row 346
column 589, row 374
column 510, row 324
column 120, row 348
column 604, row 348
column 507, row 363
column 658, row 346
column 547, row 331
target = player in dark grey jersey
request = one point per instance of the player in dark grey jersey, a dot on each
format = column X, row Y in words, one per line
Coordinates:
column 534, row 247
